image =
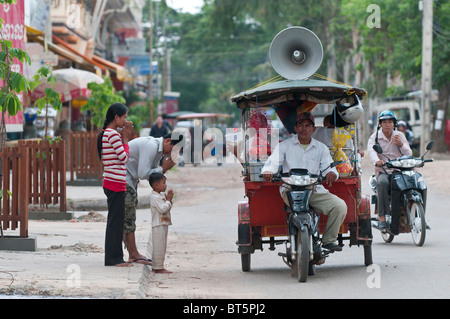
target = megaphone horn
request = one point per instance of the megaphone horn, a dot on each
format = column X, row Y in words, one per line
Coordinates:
column 298, row 57
column 296, row 53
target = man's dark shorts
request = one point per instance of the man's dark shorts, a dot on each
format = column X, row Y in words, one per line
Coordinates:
column 131, row 201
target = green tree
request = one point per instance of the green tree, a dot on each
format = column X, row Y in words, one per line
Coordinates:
column 50, row 98
column 225, row 47
column 102, row 96
column 395, row 49
column 15, row 83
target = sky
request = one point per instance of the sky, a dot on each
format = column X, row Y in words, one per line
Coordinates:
column 191, row 6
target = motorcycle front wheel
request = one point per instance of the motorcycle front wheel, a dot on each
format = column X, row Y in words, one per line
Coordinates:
column 302, row 261
column 418, row 224
column 387, row 237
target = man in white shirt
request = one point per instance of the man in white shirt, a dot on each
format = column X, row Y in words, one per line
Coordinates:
column 147, row 155
column 302, row 151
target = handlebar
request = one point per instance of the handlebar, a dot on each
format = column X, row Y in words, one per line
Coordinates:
column 295, row 180
column 277, row 177
column 406, row 163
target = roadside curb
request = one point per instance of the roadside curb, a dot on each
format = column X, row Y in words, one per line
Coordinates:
column 101, row 205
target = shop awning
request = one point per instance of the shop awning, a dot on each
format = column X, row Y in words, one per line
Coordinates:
column 38, row 36
column 69, row 48
column 62, row 48
column 121, row 72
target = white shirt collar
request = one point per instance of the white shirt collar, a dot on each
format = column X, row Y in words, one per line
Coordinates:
column 312, row 143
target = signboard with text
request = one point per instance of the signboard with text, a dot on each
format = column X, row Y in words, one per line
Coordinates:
column 14, row 30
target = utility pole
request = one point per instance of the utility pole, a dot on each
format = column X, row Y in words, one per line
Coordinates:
column 166, row 79
column 150, row 78
column 427, row 58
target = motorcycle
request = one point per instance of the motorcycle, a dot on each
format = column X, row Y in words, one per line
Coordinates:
column 303, row 248
column 413, row 196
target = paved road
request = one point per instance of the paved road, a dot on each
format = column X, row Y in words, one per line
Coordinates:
column 203, row 255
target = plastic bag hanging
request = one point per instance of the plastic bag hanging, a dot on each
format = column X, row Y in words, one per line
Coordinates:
column 339, row 139
column 259, row 145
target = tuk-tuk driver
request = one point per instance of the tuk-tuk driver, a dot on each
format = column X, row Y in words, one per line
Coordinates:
column 302, row 151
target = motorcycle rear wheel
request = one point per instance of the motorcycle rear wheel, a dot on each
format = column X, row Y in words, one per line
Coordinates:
column 418, row 224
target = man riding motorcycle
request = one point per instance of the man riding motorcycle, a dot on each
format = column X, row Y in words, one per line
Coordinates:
column 302, row 151
column 394, row 144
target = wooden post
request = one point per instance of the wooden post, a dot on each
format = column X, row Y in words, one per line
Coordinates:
column 24, row 181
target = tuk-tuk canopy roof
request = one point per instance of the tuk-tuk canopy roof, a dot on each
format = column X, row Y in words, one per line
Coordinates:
column 202, row 115
column 174, row 115
column 315, row 91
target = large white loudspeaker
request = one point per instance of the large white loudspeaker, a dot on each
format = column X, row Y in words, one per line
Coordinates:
column 296, row 53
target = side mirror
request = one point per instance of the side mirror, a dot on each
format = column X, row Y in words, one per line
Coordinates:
column 377, row 148
column 429, row 146
column 334, row 164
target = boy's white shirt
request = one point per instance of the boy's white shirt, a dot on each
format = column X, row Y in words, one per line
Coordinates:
column 160, row 208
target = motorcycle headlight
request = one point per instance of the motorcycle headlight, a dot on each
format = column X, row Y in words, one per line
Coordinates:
column 301, row 180
column 406, row 163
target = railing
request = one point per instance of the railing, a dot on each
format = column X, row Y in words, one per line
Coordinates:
column 47, row 172
column 15, row 189
column 84, row 163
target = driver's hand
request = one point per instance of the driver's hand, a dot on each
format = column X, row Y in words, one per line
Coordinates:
column 330, row 178
column 379, row 163
column 267, row 176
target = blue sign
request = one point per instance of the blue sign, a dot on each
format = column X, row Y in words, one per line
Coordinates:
column 142, row 63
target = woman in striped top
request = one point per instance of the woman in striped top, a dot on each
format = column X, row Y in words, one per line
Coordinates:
column 114, row 153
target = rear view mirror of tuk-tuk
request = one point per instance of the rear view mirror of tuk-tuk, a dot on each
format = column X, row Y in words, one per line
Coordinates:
column 378, row 149
column 334, row 164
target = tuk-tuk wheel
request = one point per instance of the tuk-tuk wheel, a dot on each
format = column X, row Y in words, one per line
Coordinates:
column 245, row 262
column 368, row 255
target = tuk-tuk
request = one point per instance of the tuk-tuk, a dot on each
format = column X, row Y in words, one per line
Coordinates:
column 263, row 216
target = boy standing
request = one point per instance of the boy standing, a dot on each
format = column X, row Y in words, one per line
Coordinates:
column 160, row 205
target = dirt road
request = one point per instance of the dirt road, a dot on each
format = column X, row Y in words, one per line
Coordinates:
column 201, row 251
column 203, row 255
